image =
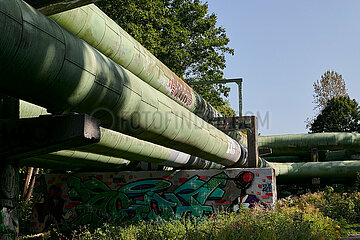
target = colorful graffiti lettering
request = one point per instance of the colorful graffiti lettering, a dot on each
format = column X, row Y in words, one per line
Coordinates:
column 83, row 200
column 144, row 199
column 180, row 90
column 267, row 187
column 243, row 181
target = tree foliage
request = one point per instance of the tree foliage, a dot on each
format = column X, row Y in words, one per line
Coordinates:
column 341, row 114
column 226, row 110
column 181, row 34
column 329, row 86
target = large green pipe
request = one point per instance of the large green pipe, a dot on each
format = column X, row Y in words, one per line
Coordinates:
column 284, row 159
column 96, row 28
column 114, row 147
column 87, row 162
column 42, row 63
column 337, row 155
column 297, row 172
column 301, row 144
column 341, row 155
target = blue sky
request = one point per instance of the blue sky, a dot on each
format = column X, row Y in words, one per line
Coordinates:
column 281, row 48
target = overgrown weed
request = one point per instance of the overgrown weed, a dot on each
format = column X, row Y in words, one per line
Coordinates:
column 320, row 215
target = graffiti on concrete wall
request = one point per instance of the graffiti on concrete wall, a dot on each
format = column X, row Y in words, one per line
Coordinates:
column 74, row 200
column 9, row 190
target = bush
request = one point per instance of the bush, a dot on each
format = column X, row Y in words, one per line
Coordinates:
column 320, row 215
column 343, row 207
column 285, row 222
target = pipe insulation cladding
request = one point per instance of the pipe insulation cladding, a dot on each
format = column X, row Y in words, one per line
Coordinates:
column 77, row 161
column 301, row 144
column 100, row 31
column 42, row 63
column 114, row 149
column 300, row 171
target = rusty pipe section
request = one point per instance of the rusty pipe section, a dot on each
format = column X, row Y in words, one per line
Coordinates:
column 96, row 28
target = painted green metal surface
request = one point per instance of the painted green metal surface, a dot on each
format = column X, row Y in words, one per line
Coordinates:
column 29, row 110
column 325, row 155
column 284, row 159
column 301, row 144
column 76, row 160
column 295, row 172
column 113, row 149
column 46, row 65
column 340, row 155
column 96, row 28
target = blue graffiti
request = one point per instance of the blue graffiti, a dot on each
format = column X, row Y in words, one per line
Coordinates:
column 143, row 199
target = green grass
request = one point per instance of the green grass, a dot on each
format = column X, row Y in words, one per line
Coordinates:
column 321, row 215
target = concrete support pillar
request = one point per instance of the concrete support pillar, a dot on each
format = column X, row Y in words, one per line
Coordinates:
column 9, row 193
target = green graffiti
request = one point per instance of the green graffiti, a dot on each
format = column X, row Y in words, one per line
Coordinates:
column 2, row 221
column 139, row 200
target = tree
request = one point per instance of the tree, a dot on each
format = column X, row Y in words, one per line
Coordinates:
column 329, row 86
column 226, row 110
column 341, row 114
column 181, row 34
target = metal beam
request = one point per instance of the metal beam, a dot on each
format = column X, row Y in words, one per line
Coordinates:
column 28, row 137
column 227, row 80
column 238, row 81
column 50, row 7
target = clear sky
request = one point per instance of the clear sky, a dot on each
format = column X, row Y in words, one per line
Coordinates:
column 281, row 48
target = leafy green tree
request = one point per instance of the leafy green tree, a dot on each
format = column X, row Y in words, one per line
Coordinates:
column 341, row 114
column 181, row 34
column 329, row 86
column 226, row 110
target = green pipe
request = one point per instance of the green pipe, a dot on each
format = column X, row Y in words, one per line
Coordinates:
column 72, row 164
column 29, row 110
column 296, row 172
column 44, row 64
column 338, row 155
column 323, row 156
column 79, row 157
column 117, row 147
column 284, row 159
column 96, row 28
column 301, row 144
